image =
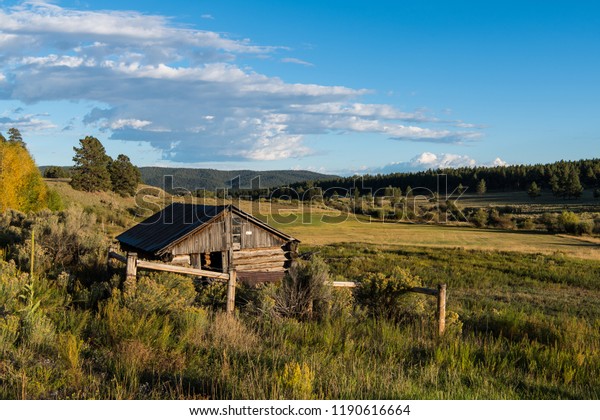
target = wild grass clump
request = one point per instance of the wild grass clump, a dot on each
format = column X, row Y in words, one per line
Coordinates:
column 518, row 327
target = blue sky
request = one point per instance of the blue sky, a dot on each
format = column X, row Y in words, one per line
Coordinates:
column 334, row 86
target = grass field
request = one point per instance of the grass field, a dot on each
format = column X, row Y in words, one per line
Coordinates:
column 317, row 225
column 313, row 231
column 523, row 319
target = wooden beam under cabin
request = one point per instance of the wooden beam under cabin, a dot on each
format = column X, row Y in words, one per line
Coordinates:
column 182, row 270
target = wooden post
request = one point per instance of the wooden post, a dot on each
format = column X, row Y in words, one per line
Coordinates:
column 32, row 258
column 130, row 273
column 231, row 292
column 441, row 300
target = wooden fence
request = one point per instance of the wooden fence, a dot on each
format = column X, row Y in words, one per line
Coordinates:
column 440, row 293
column 132, row 264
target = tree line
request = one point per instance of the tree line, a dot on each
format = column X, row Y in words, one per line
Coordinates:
column 566, row 179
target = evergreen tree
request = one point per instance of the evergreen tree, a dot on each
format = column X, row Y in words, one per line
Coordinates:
column 124, row 176
column 14, row 136
column 55, row 172
column 565, row 181
column 2, row 138
column 573, row 187
column 90, row 172
column 481, row 187
column 534, row 191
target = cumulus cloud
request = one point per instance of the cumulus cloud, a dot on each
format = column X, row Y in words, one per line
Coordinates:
column 184, row 90
column 428, row 160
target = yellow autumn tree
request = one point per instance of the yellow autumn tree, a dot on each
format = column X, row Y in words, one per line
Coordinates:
column 21, row 185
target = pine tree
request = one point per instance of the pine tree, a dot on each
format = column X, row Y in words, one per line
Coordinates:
column 124, row 176
column 534, row 191
column 90, row 172
column 573, row 187
column 14, row 136
column 481, row 187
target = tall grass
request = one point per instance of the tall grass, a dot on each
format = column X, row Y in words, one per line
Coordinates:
column 519, row 326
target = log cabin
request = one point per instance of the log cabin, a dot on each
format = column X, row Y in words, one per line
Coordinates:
column 215, row 238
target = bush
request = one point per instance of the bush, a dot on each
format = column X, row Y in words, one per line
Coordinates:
column 480, row 218
column 162, row 293
column 389, row 296
column 303, row 293
column 500, row 221
column 527, row 224
column 585, row 227
column 550, row 221
column 568, row 222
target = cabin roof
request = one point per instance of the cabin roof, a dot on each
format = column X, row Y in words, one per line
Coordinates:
column 179, row 220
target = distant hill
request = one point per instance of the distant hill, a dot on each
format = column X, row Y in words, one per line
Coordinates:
column 211, row 179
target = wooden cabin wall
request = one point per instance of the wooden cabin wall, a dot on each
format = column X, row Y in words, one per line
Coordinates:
column 261, row 259
column 210, row 239
column 258, row 237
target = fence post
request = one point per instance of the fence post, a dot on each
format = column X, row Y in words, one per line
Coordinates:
column 130, row 273
column 231, row 292
column 441, row 301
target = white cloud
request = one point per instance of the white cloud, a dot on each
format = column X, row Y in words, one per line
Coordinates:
column 428, row 160
column 129, row 123
column 296, row 61
column 498, row 162
column 166, row 84
column 25, row 123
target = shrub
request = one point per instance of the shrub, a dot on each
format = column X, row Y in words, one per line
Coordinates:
column 568, row 222
column 389, row 296
column 585, row 227
column 303, row 292
column 550, row 221
column 500, row 221
column 162, row 293
column 527, row 224
column 296, row 381
column 480, row 218
column 212, row 294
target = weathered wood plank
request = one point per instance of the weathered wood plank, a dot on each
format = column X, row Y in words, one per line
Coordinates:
column 251, row 253
column 343, row 284
column 119, row 257
column 181, row 270
column 425, row 291
column 261, row 261
column 263, row 269
column 441, row 312
column 231, row 292
column 252, row 266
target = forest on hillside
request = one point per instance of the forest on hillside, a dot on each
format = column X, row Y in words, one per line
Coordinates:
column 565, row 178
